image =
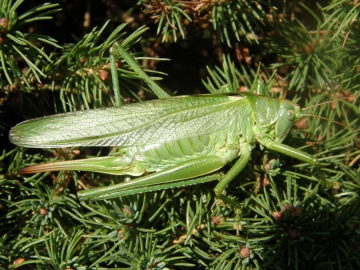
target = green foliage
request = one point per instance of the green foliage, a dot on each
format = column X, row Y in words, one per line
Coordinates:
column 292, row 215
column 85, row 70
column 17, row 47
column 239, row 19
column 169, row 15
column 242, row 17
column 344, row 15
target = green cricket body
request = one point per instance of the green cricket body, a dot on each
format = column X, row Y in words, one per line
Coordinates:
column 178, row 138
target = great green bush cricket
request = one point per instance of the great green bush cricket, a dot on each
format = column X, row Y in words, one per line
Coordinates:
column 179, row 140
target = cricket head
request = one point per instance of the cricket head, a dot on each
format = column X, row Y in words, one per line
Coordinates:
column 289, row 112
column 276, row 116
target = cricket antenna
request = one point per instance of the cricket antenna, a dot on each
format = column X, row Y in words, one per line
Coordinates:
column 324, row 118
column 332, row 121
column 326, row 102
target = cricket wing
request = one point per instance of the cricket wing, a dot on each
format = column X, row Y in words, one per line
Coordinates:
column 150, row 122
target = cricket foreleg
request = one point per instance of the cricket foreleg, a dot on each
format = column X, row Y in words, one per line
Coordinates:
column 288, row 150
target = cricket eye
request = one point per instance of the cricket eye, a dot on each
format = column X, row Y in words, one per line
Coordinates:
column 290, row 114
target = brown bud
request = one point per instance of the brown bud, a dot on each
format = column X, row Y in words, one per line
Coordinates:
column 43, row 211
column 266, row 182
column 277, row 216
column 104, row 75
column 245, row 252
column 217, row 220
column 18, row 261
column 4, row 23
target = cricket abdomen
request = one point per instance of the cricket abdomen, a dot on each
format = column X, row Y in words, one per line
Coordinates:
column 149, row 158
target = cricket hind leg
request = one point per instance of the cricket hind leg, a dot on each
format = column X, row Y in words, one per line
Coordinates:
column 179, row 173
